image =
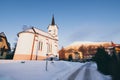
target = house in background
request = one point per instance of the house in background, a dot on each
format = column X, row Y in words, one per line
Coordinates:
column 35, row 44
column 82, row 50
column 4, row 46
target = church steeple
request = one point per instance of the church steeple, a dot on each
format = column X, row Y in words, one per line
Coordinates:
column 53, row 21
column 53, row 29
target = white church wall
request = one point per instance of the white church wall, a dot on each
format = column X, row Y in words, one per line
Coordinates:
column 24, row 44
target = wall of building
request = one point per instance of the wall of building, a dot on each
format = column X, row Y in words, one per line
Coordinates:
column 24, row 46
column 35, row 46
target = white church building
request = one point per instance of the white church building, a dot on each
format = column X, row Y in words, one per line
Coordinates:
column 35, row 44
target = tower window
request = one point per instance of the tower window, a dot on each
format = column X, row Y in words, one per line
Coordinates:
column 50, row 30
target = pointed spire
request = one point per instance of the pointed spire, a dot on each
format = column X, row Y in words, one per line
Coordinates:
column 53, row 21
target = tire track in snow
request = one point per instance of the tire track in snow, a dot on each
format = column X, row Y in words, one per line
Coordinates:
column 75, row 74
column 87, row 75
column 89, row 72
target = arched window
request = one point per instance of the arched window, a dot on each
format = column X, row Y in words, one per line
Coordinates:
column 40, row 45
column 49, row 48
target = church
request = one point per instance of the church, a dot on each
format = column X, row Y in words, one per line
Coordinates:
column 36, row 44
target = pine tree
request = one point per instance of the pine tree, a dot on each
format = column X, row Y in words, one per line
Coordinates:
column 102, row 60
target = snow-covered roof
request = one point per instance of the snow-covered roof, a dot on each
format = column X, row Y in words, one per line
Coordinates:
column 77, row 44
column 38, row 31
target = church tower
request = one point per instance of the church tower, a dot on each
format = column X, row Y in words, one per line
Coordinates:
column 53, row 29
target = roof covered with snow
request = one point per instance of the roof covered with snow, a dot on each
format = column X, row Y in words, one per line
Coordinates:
column 77, row 44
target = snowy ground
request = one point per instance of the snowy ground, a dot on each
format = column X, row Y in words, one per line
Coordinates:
column 59, row 70
column 89, row 72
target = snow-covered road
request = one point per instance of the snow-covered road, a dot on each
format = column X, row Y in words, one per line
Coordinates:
column 88, row 72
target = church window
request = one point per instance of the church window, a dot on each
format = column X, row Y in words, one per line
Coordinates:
column 49, row 48
column 56, row 46
column 50, row 30
column 40, row 45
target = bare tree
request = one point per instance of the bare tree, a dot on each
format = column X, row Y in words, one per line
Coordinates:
column 82, row 49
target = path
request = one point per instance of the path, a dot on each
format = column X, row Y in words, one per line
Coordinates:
column 88, row 72
column 74, row 75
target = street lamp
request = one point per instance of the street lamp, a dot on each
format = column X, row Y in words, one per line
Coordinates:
column 46, row 68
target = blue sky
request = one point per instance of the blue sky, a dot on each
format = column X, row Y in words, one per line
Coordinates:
column 78, row 20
